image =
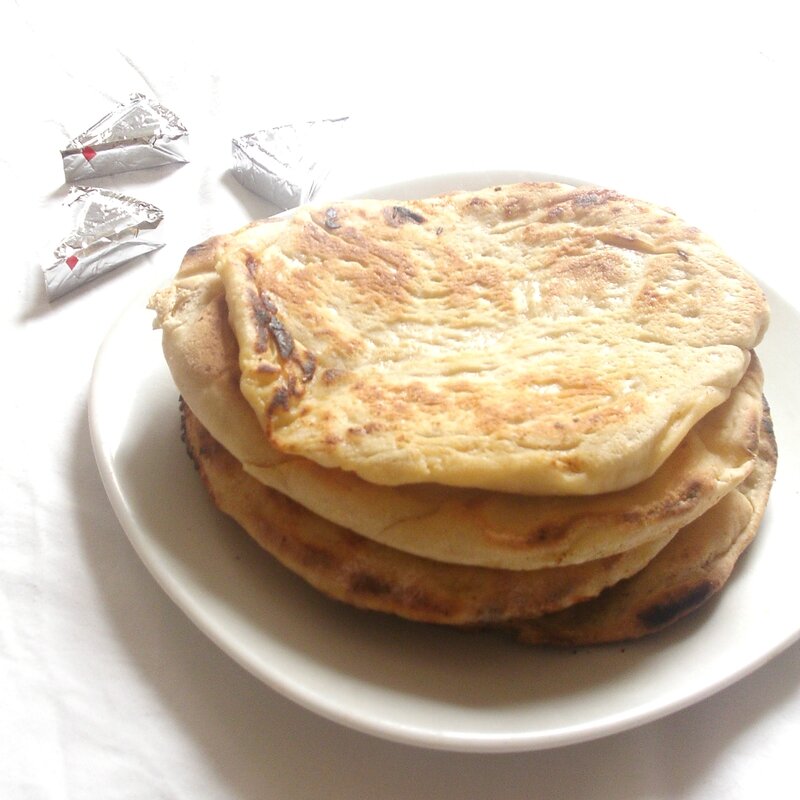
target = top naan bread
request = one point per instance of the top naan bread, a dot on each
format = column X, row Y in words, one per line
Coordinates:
column 530, row 338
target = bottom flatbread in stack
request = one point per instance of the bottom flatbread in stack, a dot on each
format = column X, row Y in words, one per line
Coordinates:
column 546, row 568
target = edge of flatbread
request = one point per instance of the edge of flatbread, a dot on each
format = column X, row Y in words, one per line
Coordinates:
column 684, row 576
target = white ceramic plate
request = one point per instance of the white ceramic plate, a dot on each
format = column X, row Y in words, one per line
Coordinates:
column 413, row 683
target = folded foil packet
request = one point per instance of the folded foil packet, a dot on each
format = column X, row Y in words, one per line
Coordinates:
column 287, row 164
column 105, row 230
column 135, row 135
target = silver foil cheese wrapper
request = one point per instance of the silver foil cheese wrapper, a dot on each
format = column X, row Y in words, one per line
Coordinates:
column 106, row 229
column 134, row 135
column 287, row 164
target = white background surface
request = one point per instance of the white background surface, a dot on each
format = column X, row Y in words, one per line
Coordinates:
column 106, row 689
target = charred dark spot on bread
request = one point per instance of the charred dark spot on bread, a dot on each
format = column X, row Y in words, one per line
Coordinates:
column 766, row 420
column 313, row 556
column 585, row 198
column 516, row 206
column 366, row 583
column 332, row 375
column 672, row 505
column 679, row 502
column 363, row 430
column 184, row 437
column 547, row 533
column 264, row 369
column 399, row 215
column 200, row 445
column 308, row 366
column 268, row 326
column 201, row 250
column 282, row 338
column 280, row 400
column 661, row 614
column 690, row 493
column 252, row 263
column 422, row 605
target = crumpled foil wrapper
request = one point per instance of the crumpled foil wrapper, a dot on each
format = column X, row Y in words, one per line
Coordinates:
column 135, row 135
column 106, row 230
column 289, row 163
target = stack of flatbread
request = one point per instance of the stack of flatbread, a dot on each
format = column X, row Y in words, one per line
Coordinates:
column 533, row 407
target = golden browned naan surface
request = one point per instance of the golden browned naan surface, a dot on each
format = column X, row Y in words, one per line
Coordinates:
column 368, row 575
column 685, row 574
column 532, row 338
column 450, row 524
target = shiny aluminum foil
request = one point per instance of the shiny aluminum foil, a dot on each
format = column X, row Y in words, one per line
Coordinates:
column 135, row 135
column 287, row 164
column 105, row 230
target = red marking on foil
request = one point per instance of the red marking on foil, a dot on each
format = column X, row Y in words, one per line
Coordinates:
column 72, row 262
column 88, row 153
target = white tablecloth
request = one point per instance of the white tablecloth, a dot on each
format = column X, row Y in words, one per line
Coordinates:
column 107, row 689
